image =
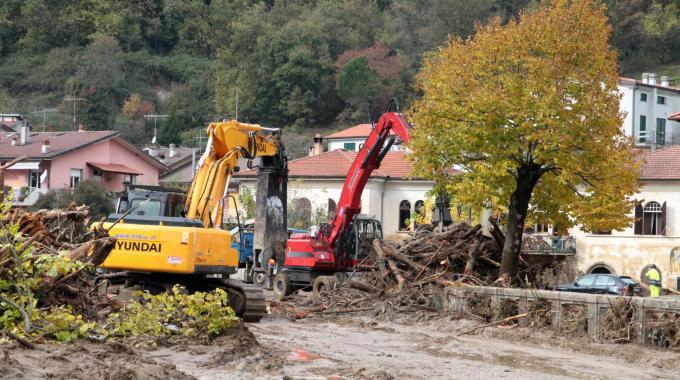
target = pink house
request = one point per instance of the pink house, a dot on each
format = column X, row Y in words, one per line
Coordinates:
column 61, row 160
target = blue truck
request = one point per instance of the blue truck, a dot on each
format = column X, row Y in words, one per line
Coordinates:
column 242, row 241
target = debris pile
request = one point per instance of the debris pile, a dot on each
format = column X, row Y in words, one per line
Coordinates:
column 46, row 261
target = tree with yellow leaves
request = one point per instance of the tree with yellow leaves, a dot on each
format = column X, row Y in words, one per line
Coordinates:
column 529, row 113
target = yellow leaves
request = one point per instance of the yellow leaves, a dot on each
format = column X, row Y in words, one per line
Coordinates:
column 540, row 90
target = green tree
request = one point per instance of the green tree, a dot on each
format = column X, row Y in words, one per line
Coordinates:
column 169, row 132
column 358, row 84
column 530, row 112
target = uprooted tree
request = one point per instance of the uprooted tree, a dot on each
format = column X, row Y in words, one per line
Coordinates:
column 529, row 111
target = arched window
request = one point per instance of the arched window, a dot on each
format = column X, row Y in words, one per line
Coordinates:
column 404, row 214
column 652, row 219
column 300, row 213
column 332, row 208
column 417, row 209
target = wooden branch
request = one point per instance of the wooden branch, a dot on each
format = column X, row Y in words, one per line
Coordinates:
column 355, row 284
column 11, row 163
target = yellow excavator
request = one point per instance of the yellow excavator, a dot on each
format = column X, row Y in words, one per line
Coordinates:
column 160, row 243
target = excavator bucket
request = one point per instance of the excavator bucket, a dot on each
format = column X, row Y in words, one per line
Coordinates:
column 271, row 233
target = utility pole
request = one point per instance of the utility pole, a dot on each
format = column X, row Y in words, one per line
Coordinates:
column 155, row 131
column 200, row 140
column 44, row 111
column 74, row 100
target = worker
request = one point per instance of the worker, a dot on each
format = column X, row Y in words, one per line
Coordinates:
column 654, row 278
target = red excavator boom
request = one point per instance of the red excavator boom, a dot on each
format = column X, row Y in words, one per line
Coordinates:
column 310, row 257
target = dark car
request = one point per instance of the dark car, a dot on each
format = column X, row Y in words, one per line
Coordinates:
column 603, row 284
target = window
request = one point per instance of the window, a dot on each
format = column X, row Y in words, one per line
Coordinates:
column 404, row 215
column 660, row 100
column 34, row 179
column 76, row 177
column 130, row 178
column 332, row 208
column 660, row 131
column 586, row 280
column 349, row 146
column 150, row 208
column 97, row 172
column 417, row 209
column 650, row 219
column 643, row 97
column 643, row 128
column 602, row 281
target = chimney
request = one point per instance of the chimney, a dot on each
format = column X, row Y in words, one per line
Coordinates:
column 45, row 147
column 24, row 134
column 81, row 128
column 14, row 141
column 310, row 151
column 665, row 81
column 645, row 78
column 318, row 147
column 652, row 78
column 172, row 152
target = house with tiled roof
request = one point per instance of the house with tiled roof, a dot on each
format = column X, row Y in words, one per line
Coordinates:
column 61, row 160
column 315, row 183
column 654, row 237
column 652, row 110
column 351, row 139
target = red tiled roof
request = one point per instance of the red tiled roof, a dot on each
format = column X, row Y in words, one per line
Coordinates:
column 657, row 85
column 662, row 164
column 336, row 164
column 361, row 130
column 60, row 143
column 114, row 168
column 674, row 116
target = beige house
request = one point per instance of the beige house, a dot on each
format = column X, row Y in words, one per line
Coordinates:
column 654, row 238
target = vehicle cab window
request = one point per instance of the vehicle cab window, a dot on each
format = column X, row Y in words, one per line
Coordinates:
column 585, row 281
column 602, row 281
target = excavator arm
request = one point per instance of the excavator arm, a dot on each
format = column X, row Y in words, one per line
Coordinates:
column 371, row 154
column 227, row 142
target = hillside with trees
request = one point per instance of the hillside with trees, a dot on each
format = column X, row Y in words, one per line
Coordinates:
column 305, row 65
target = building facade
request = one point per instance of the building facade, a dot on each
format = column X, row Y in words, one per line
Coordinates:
column 351, row 139
column 654, row 237
column 61, row 160
column 315, row 183
column 650, row 105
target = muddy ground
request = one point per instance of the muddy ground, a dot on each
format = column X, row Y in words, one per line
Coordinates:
column 327, row 347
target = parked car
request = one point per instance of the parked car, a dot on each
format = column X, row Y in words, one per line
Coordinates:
column 604, row 284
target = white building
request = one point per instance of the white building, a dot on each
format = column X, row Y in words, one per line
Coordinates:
column 650, row 105
column 315, row 184
column 654, row 238
column 352, row 139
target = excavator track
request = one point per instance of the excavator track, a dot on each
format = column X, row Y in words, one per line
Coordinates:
column 247, row 300
column 255, row 307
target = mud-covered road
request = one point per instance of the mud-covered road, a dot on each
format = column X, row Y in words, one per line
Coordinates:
column 350, row 348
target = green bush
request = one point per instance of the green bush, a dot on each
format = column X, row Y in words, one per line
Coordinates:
column 90, row 193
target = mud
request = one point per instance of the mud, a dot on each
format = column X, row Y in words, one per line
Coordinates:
column 344, row 347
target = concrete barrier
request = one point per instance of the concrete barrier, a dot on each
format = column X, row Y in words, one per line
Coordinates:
column 455, row 299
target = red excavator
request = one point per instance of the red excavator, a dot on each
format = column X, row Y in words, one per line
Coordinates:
column 322, row 260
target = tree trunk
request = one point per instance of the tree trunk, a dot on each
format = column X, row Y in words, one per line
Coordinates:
column 517, row 212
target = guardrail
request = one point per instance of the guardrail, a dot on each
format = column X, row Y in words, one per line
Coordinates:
column 456, row 300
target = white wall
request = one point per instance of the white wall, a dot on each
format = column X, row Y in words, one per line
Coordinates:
column 340, row 144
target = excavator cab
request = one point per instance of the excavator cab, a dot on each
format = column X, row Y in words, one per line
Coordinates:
column 151, row 201
column 362, row 231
